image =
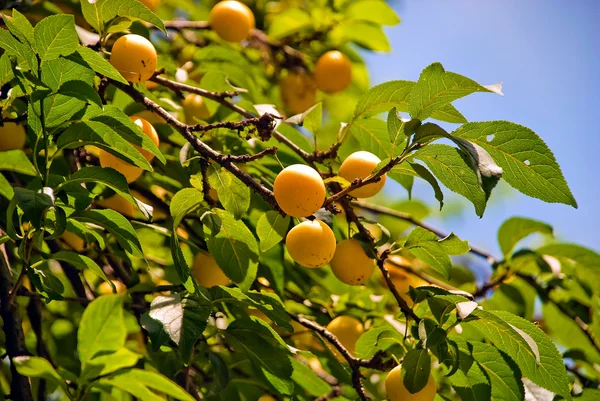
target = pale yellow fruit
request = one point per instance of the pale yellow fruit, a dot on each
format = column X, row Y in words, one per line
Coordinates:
column 105, row 288
column 396, row 391
column 361, row 165
column 134, row 57
column 12, row 136
column 206, row 271
column 299, row 190
column 130, row 171
column 333, row 72
column 350, row 263
column 311, row 243
column 74, row 241
column 231, row 20
column 195, row 106
column 298, row 92
column 347, row 329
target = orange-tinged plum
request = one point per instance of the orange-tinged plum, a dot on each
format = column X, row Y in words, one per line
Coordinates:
column 194, row 107
column 231, row 20
column 299, row 190
column 12, row 136
column 151, row 4
column 347, row 329
column 298, row 92
column 74, row 241
column 118, row 204
column 134, row 57
column 206, row 271
column 350, row 263
column 397, row 391
column 267, row 397
column 130, row 171
column 333, row 72
column 311, row 243
column 361, row 165
column 105, row 288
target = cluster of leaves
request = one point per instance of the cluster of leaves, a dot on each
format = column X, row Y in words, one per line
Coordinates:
column 231, row 343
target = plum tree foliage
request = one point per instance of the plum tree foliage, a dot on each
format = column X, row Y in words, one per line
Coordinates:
column 193, row 207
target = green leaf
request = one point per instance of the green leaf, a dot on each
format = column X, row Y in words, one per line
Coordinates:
column 132, row 9
column 396, row 130
column 425, row 174
column 215, row 81
column 33, row 204
column 101, row 135
column 57, row 72
column 372, row 135
column 157, row 382
column 436, row 88
column 375, row 11
column 499, row 328
column 451, row 167
column 515, row 229
column 6, row 69
column 271, row 229
column 6, row 188
column 184, row 201
column 55, row 36
column 34, row 366
column 25, row 56
column 80, row 262
column 529, row 166
column 390, row 94
column 126, row 385
column 416, row 367
column 434, row 255
column 20, row 26
column 17, row 161
column 363, row 33
column 289, row 21
column 308, row 380
column 177, row 318
column 470, row 381
column 588, row 394
column 81, row 91
column 100, row 65
column 377, row 339
column 235, row 249
column 504, row 375
column 107, row 363
column 102, row 327
column 116, row 224
column 92, row 12
column 270, row 362
column 234, row 195
column 454, row 245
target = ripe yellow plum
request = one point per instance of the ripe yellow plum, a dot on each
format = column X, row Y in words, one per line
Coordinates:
column 347, row 329
column 397, row 391
column 231, row 20
column 134, row 57
column 130, row 171
column 12, row 136
column 206, row 271
column 333, row 72
column 151, row 4
column 74, row 241
column 311, row 243
column 267, row 397
column 194, row 106
column 361, row 165
column 299, row 190
column 105, row 288
column 298, row 92
column 350, row 263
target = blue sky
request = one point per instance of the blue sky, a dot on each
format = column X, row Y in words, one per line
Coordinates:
column 548, row 57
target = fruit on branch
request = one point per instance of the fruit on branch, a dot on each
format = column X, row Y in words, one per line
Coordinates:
column 311, row 243
column 350, row 263
column 134, row 57
column 403, row 280
column 151, row 4
column 333, row 72
column 12, row 136
column 397, row 391
column 231, row 20
column 206, row 271
column 126, row 208
column 267, row 397
column 105, row 288
column 74, row 241
column 299, row 190
column 361, row 164
column 195, row 107
column 347, row 330
column 298, row 92
column 130, row 171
